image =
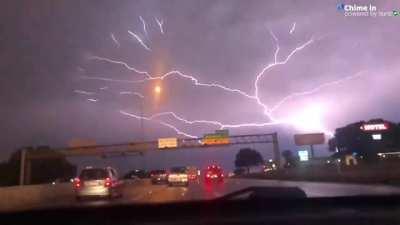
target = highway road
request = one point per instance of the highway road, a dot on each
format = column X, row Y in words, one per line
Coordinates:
column 142, row 191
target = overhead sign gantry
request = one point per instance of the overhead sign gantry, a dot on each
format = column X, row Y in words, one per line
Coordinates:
column 138, row 148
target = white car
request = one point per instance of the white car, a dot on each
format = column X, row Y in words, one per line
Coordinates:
column 97, row 182
column 178, row 176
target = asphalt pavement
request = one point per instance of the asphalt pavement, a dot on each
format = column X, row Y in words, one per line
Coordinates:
column 142, row 191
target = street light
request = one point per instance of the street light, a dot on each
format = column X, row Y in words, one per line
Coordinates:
column 157, row 89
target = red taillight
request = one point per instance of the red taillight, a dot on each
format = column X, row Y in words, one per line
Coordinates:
column 108, row 182
column 77, row 183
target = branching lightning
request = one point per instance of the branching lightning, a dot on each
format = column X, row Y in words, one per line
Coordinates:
column 121, row 63
column 316, row 89
column 84, row 92
column 109, row 79
column 131, row 93
column 268, row 110
column 160, row 24
column 293, row 28
column 144, row 25
column 140, row 41
column 115, row 40
column 162, row 77
column 271, row 65
column 179, row 132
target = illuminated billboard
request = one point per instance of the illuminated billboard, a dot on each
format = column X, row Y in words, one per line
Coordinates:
column 309, row 139
column 376, row 137
column 303, row 155
column 374, row 127
column 167, row 143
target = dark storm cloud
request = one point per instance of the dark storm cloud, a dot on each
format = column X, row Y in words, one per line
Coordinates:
column 43, row 43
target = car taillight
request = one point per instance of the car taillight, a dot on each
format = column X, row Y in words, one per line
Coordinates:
column 208, row 175
column 108, row 182
column 77, row 183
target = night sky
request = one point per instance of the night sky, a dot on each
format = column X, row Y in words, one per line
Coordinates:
column 48, row 49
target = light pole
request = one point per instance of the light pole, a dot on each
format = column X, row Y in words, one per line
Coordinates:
column 142, row 136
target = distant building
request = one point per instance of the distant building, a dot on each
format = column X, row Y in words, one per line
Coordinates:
column 366, row 139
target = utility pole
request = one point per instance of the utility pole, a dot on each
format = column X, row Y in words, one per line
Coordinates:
column 276, row 150
column 22, row 167
column 142, row 133
column 312, row 151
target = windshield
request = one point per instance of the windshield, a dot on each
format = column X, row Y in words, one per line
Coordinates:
column 187, row 100
column 93, row 174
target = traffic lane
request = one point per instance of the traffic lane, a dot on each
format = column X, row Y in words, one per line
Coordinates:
column 165, row 193
column 315, row 189
column 63, row 195
column 201, row 190
column 140, row 192
column 144, row 192
column 148, row 193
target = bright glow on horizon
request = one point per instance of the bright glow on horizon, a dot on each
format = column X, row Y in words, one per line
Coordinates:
column 308, row 119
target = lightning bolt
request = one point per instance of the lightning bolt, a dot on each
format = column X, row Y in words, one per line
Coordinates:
column 272, row 65
column 268, row 111
column 84, row 92
column 316, row 89
column 131, row 93
column 120, row 63
column 216, row 85
column 160, row 24
column 115, row 40
column 293, row 28
column 109, row 79
column 179, row 132
column 144, row 25
column 140, row 41
column 162, row 77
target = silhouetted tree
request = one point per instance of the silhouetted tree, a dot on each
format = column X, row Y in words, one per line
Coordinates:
column 42, row 170
column 247, row 157
column 291, row 160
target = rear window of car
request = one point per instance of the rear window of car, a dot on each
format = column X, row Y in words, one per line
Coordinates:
column 215, row 170
column 93, row 174
column 178, row 170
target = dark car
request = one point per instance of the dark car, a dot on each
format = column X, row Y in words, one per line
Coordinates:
column 159, row 177
column 136, row 174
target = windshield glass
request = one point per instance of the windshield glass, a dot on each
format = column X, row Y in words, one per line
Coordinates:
column 93, row 174
column 187, row 100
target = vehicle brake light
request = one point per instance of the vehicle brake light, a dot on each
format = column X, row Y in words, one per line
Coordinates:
column 108, row 182
column 77, row 183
